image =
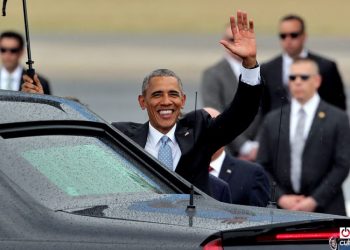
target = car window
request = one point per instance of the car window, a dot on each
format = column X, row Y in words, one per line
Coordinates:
column 44, row 108
column 75, row 166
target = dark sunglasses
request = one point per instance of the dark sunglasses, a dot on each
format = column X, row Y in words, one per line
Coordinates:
column 302, row 77
column 11, row 50
column 293, row 35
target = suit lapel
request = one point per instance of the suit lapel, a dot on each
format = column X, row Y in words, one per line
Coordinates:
column 279, row 71
column 140, row 136
column 226, row 170
column 283, row 157
column 282, row 88
column 316, row 124
column 184, row 137
column 314, row 135
column 284, row 136
column 21, row 80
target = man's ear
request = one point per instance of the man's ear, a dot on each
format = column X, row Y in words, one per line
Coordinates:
column 183, row 101
column 319, row 80
column 141, row 99
column 21, row 53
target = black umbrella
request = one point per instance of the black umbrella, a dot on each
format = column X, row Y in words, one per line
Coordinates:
column 30, row 63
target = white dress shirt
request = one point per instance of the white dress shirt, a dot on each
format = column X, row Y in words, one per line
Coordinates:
column 287, row 62
column 250, row 76
column 16, row 78
column 310, row 108
column 153, row 143
column 217, row 164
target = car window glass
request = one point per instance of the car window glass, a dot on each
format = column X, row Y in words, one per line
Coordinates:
column 76, row 166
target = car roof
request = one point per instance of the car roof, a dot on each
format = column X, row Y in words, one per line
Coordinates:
column 36, row 107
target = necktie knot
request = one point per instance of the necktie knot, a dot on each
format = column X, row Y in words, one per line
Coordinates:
column 164, row 139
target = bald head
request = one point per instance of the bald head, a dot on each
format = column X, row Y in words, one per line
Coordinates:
column 212, row 112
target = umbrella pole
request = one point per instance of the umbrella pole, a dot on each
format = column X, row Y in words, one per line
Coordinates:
column 30, row 71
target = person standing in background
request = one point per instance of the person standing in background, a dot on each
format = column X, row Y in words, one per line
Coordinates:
column 292, row 35
column 11, row 53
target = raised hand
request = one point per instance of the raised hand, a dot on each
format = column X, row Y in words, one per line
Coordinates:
column 244, row 43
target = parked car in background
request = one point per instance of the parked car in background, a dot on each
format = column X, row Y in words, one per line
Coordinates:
column 69, row 180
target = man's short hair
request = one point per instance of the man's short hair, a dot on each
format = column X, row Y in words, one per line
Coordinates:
column 13, row 35
column 160, row 73
column 307, row 60
column 296, row 18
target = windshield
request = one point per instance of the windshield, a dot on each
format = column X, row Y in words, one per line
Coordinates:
column 73, row 166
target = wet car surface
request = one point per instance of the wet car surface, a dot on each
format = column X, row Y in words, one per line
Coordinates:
column 69, row 180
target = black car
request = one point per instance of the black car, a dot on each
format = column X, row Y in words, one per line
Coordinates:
column 69, row 180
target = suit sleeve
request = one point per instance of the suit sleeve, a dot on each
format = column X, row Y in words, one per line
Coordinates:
column 226, row 194
column 333, row 181
column 260, row 193
column 236, row 117
column 212, row 95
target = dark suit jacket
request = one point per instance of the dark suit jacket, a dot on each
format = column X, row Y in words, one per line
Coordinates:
column 199, row 135
column 326, row 156
column 220, row 189
column 331, row 89
column 248, row 182
column 218, row 87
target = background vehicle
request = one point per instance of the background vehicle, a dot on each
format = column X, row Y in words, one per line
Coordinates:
column 68, row 180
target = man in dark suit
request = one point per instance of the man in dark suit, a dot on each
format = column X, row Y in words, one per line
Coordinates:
column 218, row 87
column 248, row 181
column 11, row 72
column 275, row 72
column 194, row 138
column 307, row 155
column 220, row 189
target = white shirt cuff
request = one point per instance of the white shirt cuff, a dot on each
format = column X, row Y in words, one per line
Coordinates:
column 250, row 76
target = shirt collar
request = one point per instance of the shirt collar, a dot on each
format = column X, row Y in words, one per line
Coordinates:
column 17, row 73
column 217, row 163
column 156, row 135
column 287, row 58
column 309, row 107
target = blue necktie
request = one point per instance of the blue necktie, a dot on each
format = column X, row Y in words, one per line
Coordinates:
column 165, row 154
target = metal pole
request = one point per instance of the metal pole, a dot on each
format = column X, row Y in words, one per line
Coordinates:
column 30, row 63
column 4, row 7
